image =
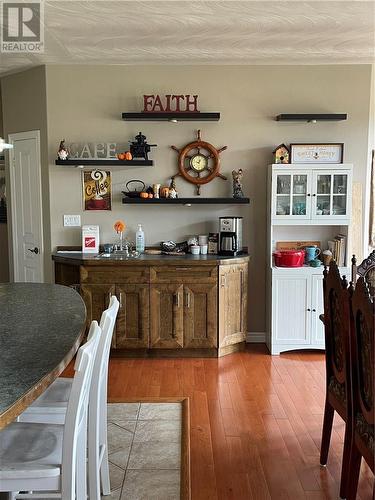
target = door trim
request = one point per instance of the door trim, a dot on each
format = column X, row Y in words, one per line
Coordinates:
column 19, row 136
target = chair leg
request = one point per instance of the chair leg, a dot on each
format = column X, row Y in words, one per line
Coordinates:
column 355, row 466
column 104, row 473
column 326, row 434
column 345, row 468
column 81, row 478
column 94, row 466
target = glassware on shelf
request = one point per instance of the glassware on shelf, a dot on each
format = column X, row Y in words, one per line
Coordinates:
column 299, row 184
column 340, row 184
column 323, row 184
column 323, row 205
column 299, row 205
column 283, row 205
column 283, row 184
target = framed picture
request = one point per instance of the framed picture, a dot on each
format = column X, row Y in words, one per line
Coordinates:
column 317, row 153
column 97, row 190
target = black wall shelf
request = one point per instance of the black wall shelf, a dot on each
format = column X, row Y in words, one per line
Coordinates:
column 186, row 201
column 77, row 162
column 171, row 117
column 312, row 117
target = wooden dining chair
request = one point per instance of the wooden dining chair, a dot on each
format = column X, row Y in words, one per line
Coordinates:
column 363, row 380
column 51, row 407
column 367, row 270
column 38, row 458
column 337, row 338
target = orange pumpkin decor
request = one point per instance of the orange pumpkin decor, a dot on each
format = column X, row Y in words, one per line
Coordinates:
column 143, row 194
column 164, row 192
column 150, row 195
column 119, row 226
column 128, row 155
column 121, row 156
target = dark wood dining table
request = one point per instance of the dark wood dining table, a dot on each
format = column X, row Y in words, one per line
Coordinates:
column 41, row 329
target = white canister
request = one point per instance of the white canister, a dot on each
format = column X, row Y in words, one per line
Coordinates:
column 204, row 249
column 203, row 239
column 195, row 249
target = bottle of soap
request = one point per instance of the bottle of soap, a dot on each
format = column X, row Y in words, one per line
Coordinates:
column 140, row 239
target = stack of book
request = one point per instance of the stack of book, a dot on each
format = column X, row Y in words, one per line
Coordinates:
column 338, row 249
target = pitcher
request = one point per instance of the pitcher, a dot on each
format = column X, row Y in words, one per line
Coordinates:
column 312, row 253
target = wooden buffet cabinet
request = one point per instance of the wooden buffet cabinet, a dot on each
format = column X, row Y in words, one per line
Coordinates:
column 169, row 306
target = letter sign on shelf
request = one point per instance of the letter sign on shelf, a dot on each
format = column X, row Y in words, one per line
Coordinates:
column 170, row 103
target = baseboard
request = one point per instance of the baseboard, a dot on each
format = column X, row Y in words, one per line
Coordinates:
column 256, row 337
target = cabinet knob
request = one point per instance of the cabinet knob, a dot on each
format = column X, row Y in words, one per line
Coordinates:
column 314, row 310
column 308, row 194
column 314, row 194
column 309, row 310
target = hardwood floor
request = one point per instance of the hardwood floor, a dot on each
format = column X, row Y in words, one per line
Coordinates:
column 255, row 422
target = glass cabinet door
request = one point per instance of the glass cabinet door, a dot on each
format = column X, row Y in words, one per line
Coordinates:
column 291, row 195
column 330, row 194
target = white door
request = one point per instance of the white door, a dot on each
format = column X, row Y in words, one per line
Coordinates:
column 291, row 195
column 26, row 206
column 317, row 304
column 291, row 318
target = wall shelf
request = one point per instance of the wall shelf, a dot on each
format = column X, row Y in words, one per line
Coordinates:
column 312, row 117
column 171, row 117
column 186, row 201
column 78, row 162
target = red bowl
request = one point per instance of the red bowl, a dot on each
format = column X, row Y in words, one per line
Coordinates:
column 289, row 258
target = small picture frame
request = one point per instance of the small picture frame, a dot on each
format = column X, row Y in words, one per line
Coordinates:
column 317, row 153
column 97, row 190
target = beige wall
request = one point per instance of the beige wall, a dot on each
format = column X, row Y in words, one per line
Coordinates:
column 24, row 108
column 84, row 103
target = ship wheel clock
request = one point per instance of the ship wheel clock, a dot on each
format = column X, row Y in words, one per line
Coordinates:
column 199, row 162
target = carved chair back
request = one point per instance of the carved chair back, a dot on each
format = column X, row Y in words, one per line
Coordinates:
column 362, row 355
column 337, row 337
column 367, row 270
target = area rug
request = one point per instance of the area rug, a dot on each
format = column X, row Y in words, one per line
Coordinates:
column 148, row 445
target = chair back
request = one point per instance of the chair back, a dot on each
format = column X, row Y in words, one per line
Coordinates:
column 363, row 351
column 75, row 426
column 337, row 334
column 367, row 270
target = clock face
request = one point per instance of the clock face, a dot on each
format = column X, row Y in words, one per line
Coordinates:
column 198, row 163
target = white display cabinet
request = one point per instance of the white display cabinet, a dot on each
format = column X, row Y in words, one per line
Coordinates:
column 305, row 203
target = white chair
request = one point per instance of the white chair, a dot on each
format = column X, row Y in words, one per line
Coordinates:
column 51, row 407
column 39, row 458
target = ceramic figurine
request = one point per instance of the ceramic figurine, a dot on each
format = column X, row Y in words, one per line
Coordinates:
column 237, row 183
column 172, row 189
column 281, row 154
column 63, row 152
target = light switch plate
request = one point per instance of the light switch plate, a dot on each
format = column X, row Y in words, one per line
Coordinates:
column 72, row 220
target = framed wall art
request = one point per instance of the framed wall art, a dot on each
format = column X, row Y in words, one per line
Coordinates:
column 317, row 153
column 97, row 190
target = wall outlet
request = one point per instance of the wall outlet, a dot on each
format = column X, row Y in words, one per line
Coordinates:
column 72, row 220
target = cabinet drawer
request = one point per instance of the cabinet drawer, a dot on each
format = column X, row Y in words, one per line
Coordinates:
column 183, row 274
column 119, row 274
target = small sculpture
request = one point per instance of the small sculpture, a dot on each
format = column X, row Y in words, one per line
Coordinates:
column 63, row 152
column 139, row 148
column 237, row 183
column 281, row 154
column 172, row 189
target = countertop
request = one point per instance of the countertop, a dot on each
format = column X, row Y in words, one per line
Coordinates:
column 79, row 258
column 41, row 326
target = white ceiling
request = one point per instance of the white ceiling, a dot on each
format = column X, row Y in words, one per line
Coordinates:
column 203, row 32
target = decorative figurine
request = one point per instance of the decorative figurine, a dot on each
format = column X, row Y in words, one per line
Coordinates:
column 172, row 189
column 139, row 148
column 237, row 183
column 281, row 154
column 62, row 153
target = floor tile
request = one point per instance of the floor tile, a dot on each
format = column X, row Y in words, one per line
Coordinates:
column 116, row 476
column 115, row 495
column 151, row 485
column 162, row 411
column 118, row 438
column 155, row 455
column 157, row 430
column 122, row 411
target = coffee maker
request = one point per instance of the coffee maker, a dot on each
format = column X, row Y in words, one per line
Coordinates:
column 230, row 240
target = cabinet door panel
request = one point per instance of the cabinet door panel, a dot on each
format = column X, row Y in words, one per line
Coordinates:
column 232, row 304
column 317, row 327
column 166, row 310
column 96, row 298
column 291, row 194
column 200, row 321
column 331, row 194
column 132, row 329
column 291, row 318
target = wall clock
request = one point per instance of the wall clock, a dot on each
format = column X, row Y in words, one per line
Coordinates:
column 199, row 162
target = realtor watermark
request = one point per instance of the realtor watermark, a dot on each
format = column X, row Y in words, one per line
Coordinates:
column 22, row 26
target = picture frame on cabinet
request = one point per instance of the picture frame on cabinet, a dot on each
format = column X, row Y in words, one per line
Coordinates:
column 317, row 153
